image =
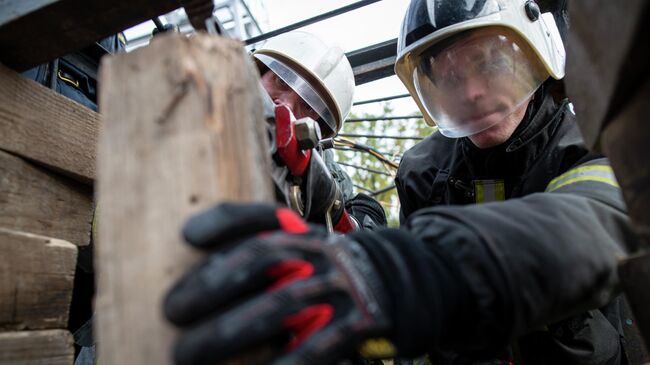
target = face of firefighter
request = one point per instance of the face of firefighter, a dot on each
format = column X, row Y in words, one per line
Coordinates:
column 282, row 94
column 481, row 97
column 480, row 85
column 500, row 132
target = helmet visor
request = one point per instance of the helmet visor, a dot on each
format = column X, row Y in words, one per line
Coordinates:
column 475, row 80
column 302, row 88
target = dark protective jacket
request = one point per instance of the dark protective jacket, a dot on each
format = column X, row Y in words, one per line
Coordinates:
column 531, row 264
column 368, row 213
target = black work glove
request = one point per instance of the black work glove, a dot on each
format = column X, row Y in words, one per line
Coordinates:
column 275, row 280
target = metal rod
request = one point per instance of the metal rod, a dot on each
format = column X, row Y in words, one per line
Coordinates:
column 405, row 117
column 378, row 136
column 381, row 99
column 383, row 190
column 361, row 150
column 309, row 21
column 362, row 188
column 364, row 168
column 158, row 24
column 251, row 17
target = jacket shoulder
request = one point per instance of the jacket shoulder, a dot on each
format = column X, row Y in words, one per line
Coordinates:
column 431, row 154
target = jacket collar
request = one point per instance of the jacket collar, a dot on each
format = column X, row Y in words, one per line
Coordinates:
column 529, row 139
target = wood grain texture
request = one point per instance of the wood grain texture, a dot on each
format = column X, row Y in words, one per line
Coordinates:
column 35, row 200
column 182, row 130
column 51, row 347
column 36, row 280
column 46, row 127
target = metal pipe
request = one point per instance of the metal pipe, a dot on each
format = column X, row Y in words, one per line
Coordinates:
column 361, row 150
column 362, row 188
column 251, row 17
column 158, row 24
column 383, row 190
column 378, row 136
column 309, row 21
column 364, row 168
column 381, row 99
column 377, row 119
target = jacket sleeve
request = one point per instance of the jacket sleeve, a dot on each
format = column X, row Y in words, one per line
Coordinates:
column 536, row 259
column 366, row 211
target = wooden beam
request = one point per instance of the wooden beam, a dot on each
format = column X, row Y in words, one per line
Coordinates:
column 36, row 31
column 46, row 127
column 51, row 347
column 38, row 201
column 36, row 280
column 183, row 129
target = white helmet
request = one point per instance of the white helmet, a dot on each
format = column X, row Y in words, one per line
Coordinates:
column 527, row 45
column 319, row 73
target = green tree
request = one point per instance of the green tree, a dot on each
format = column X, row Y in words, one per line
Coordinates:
column 369, row 174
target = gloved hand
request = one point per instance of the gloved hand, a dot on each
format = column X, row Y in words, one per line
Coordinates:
column 275, row 280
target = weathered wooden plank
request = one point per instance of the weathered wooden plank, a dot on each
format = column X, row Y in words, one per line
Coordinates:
column 42, row 125
column 625, row 141
column 604, row 67
column 38, row 201
column 183, row 129
column 36, row 280
column 51, row 347
column 32, row 32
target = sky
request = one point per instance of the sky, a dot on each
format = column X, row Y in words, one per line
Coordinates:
column 354, row 30
column 357, row 29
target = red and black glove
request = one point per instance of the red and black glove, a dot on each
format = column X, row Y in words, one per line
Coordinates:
column 320, row 194
column 278, row 281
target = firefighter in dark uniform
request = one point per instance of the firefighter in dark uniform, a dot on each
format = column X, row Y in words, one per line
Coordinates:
column 512, row 229
column 314, row 79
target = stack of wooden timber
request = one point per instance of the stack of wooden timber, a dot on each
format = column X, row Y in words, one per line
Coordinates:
column 47, row 154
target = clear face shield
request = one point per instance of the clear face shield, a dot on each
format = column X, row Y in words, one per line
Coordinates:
column 303, row 89
column 475, row 80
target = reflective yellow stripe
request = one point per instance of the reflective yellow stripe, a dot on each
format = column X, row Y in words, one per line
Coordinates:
column 377, row 348
column 587, row 178
column 597, row 173
column 489, row 191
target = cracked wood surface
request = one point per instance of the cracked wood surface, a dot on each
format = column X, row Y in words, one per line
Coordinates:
column 35, row 200
column 50, row 347
column 182, row 129
column 46, row 127
column 36, row 280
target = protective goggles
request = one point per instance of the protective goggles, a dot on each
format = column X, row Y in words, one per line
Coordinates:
column 474, row 80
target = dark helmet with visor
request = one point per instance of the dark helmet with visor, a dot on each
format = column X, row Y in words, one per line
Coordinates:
column 470, row 63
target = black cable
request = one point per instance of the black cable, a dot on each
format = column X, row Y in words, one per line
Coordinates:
column 381, row 99
column 378, row 155
column 309, row 21
column 364, row 168
column 378, row 136
column 352, row 149
column 383, row 190
column 405, row 117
